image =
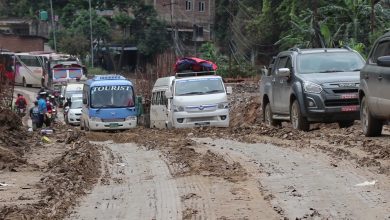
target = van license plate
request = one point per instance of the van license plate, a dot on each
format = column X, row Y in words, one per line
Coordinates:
column 202, row 124
column 114, row 125
column 352, row 108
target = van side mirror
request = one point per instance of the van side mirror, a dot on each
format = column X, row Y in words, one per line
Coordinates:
column 383, row 61
column 229, row 90
column 283, row 72
column 168, row 94
column 84, row 101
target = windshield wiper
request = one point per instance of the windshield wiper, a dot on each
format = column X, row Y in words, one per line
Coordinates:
column 192, row 93
column 356, row 70
column 215, row 91
column 332, row 71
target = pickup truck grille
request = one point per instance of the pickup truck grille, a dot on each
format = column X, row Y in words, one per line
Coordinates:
column 341, row 102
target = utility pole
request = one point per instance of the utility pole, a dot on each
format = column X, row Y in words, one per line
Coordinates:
column 53, row 26
column 372, row 16
column 174, row 39
column 90, row 29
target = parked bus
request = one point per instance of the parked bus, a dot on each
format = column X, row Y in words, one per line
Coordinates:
column 108, row 104
column 189, row 100
column 30, row 70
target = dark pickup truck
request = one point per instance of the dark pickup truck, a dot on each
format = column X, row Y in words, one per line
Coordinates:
column 374, row 92
column 312, row 85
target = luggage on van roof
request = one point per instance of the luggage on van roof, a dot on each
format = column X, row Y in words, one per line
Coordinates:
column 194, row 64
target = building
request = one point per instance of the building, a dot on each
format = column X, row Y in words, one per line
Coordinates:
column 21, row 43
column 190, row 21
column 23, row 35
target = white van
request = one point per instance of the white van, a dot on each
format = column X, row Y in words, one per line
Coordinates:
column 73, row 88
column 189, row 100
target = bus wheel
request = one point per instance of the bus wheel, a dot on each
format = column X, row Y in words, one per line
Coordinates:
column 24, row 82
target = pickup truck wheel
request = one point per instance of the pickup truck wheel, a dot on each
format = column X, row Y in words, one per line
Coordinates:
column 298, row 121
column 372, row 127
column 345, row 124
column 268, row 120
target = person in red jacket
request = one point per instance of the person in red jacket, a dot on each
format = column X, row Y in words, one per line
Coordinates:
column 21, row 104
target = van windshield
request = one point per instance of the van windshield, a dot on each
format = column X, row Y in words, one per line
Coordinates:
column 112, row 97
column 202, row 86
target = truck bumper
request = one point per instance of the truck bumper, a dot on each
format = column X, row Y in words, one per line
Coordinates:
column 217, row 118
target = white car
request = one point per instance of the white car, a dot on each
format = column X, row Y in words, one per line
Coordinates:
column 74, row 113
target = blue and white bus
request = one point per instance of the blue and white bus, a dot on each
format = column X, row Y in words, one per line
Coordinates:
column 108, row 104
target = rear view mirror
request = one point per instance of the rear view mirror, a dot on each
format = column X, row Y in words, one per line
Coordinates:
column 84, row 101
column 284, row 72
column 168, row 94
column 383, row 61
column 229, row 90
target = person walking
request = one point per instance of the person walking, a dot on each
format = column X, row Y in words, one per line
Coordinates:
column 42, row 109
column 34, row 115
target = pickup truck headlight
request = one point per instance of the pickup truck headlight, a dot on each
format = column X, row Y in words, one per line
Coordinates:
column 311, row 87
column 223, row 105
column 178, row 108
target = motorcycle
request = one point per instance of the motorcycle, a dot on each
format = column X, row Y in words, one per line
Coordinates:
column 21, row 111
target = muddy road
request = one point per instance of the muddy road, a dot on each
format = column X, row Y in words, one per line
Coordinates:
column 248, row 171
column 151, row 174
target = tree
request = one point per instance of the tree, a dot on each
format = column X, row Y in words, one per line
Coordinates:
column 74, row 44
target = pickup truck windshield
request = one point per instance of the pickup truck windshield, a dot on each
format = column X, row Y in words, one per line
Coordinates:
column 329, row 62
column 202, row 86
column 112, row 97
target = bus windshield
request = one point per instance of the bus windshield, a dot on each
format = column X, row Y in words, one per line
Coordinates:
column 112, row 96
column 201, row 86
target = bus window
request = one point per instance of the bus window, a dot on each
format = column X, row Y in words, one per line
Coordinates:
column 30, row 61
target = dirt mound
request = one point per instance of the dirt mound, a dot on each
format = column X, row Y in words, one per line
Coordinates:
column 182, row 152
column 245, row 111
column 9, row 120
column 13, row 140
column 68, row 177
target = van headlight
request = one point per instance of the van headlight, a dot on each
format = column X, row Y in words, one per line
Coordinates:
column 131, row 118
column 310, row 87
column 178, row 108
column 95, row 119
column 223, row 105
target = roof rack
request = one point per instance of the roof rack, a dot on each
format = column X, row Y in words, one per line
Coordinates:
column 109, row 77
column 295, row 49
column 191, row 74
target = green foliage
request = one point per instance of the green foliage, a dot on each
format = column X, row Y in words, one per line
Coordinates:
column 100, row 26
column 153, row 39
column 74, row 44
column 96, row 71
column 234, row 69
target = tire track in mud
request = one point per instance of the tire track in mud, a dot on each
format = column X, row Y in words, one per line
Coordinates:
column 196, row 182
column 306, row 185
column 139, row 187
